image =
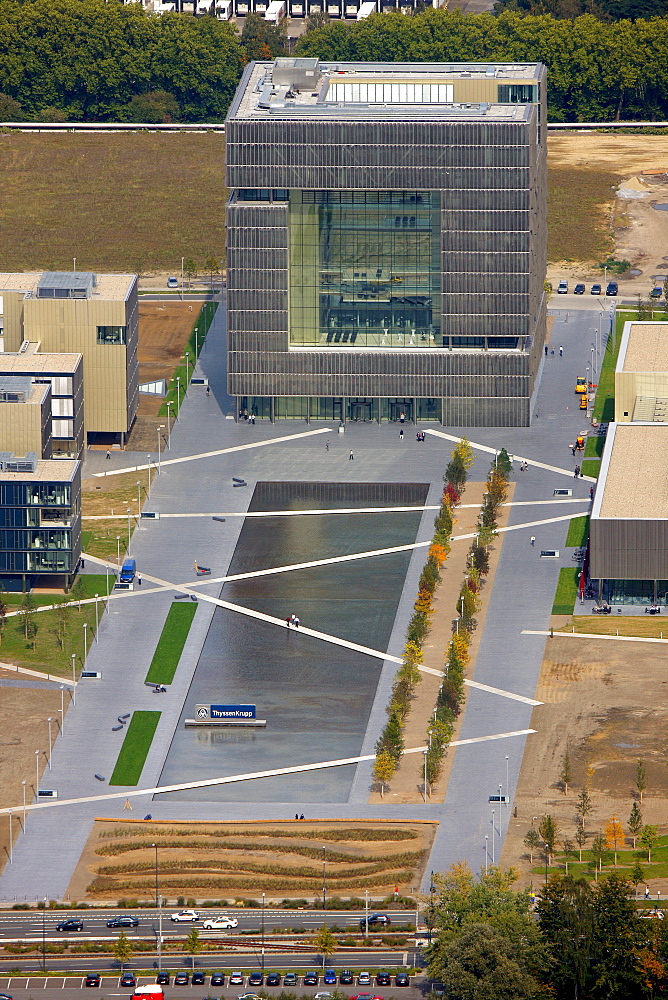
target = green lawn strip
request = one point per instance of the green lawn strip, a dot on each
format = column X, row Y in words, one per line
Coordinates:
column 567, row 591
column 591, row 467
column 203, row 321
column 170, row 645
column 578, row 531
column 594, row 446
column 136, row 746
column 604, row 404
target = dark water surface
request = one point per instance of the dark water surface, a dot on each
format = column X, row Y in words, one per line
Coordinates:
column 315, row 697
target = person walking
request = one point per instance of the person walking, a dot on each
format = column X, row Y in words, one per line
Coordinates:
column 561, row 351
column 208, row 390
column 401, row 434
column 327, row 445
column 576, row 474
column 546, row 350
column 139, row 579
column 533, row 539
column 287, row 621
column 351, row 456
column 108, row 455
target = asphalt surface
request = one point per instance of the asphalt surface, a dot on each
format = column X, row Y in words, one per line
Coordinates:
column 369, row 961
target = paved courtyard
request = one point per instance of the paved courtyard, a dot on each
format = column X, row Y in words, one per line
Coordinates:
column 166, row 550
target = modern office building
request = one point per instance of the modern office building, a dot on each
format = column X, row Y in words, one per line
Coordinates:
column 40, row 521
column 386, row 241
column 641, row 374
column 25, row 415
column 79, row 312
column 63, row 373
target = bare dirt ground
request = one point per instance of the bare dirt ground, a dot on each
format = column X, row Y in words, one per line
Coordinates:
column 408, row 782
column 640, row 232
column 164, row 329
column 231, row 853
column 23, row 729
column 606, row 702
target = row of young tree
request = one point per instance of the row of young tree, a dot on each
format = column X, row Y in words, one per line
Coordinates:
column 581, row 940
column 596, row 71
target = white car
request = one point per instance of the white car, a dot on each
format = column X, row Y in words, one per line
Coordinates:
column 220, row 923
column 185, row 917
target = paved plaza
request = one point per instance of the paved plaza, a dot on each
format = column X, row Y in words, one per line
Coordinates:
column 207, row 449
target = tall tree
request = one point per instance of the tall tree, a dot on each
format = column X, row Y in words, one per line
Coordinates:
column 193, row 945
column 641, row 778
column 549, row 832
column 123, row 949
column 383, row 770
column 580, row 839
column 617, row 936
column 584, row 806
column 566, row 772
column 566, row 919
column 614, row 835
column 635, row 822
column 261, row 39
column 532, row 842
column 324, row 943
column 648, row 838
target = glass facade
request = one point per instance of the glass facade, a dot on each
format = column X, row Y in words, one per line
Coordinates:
column 365, row 269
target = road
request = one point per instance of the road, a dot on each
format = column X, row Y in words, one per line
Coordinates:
column 26, row 925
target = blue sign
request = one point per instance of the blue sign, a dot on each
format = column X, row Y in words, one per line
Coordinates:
column 232, row 711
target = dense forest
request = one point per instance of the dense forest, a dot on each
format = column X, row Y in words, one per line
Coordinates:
column 89, row 60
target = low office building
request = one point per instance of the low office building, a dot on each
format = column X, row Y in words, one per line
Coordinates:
column 63, row 374
column 96, row 315
column 25, row 415
column 40, row 521
column 386, row 241
column 629, row 519
column 641, row 374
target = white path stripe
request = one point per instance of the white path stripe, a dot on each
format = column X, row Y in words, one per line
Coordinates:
column 339, row 510
column 495, row 451
column 596, row 635
column 212, row 454
column 234, row 778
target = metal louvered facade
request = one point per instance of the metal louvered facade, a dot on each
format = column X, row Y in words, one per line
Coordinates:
column 385, row 252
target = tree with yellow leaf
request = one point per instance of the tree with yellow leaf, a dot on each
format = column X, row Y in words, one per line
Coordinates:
column 383, row 770
column 614, row 835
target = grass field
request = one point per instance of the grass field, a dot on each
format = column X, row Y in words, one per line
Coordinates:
column 594, row 446
column 136, row 746
column 193, row 348
column 123, row 202
column 567, row 591
column 642, row 626
column 627, row 859
column 578, row 531
column 577, row 223
column 170, row 645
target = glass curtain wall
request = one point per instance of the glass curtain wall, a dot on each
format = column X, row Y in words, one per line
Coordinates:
column 365, row 269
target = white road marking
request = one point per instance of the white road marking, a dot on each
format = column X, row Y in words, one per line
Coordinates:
column 595, row 635
column 495, row 451
column 212, row 454
column 235, row 778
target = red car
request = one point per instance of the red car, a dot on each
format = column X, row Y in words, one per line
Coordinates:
column 366, row 996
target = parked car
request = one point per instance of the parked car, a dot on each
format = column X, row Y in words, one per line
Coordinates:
column 383, row 979
column 596, row 288
column 70, row 925
column 273, row 979
column 172, row 282
column 656, row 293
column 181, row 978
column 365, row 996
column 162, row 979
column 123, row 922
column 329, row 978
column 579, row 288
column 364, row 979
column 185, row 917
column 376, row 920
column 237, row 979
column 128, row 979
column 220, row 923
column 249, row 996
column 401, row 979
column 562, row 288
column 93, row 979
column 217, row 978
column 346, row 977
column 311, row 979
column 290, row 979
column 198, row 979
column 255, row 979
column 322, row 996
column 612, row 288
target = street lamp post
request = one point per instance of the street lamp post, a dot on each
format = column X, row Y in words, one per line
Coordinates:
column 366, row 913
column 169, row 424
column 593, row 363
column 96, row 618
column 106, row 582
column 493, row 835
column 187, row 369
column 148, row 489
column 324, row 877
column 158, row 903
column 546, row 861
column 44, row 936
column 74, row 669
column 49, row 723
column 195, row 362
column 507, row 784
column 182, row 260
column 11, row 839
column 486, row 853
column 24, row 804
column 36, row 772
column 118, row 553
column 128, row 529
column 139, row 496
column 262, row 933
column 160, row 428
column 178, row 397
column 62, row 709
column 424, row 790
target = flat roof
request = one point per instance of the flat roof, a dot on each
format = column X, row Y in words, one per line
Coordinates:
column 30, row 362
column 644, row 348
column 23, row 388
column 108, row 286
column 48, row 470
column 634, row 474
column 298, row 88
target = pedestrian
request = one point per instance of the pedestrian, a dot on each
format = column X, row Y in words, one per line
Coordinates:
column 576, row 474
column 287, row 621
column 552, row 352
column 252, row 419
column 533, row 539
column 108, row 455
column 327, row 445
column 402, row 417
column 302, row 816
column 546, row 350
column 572, row 447
column 591, row 492
column 417, row 437
column 351, row 456
column 401, row 434
column 646, row 892
column 296, row 815
column 83, row 563
column 208, row 390
column 295, row 621
column 139, row 579
column 561, row 351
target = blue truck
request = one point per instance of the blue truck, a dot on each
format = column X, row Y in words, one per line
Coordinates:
column 128, row 571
